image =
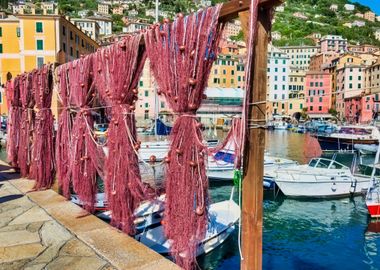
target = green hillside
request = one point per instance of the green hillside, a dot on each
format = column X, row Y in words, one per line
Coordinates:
column 322, row 20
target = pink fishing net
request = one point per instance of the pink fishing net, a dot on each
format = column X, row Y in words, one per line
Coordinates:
column 63, row 136
column 84, row 152
column 181, row 55
column 42, row 167
column 14, row 120
column 117, row 70
column 27, row 123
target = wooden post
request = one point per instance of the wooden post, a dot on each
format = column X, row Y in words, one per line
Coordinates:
column 252, row 209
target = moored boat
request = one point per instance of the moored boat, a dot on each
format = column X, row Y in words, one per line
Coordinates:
column 347, row 136
column 321, row 178
column 221, row 223
column 373, row 198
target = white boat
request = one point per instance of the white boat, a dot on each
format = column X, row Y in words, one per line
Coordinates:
column 100, row 201
column 221, row 167
column 320, row 178
column 222, row 218
column 366, row 149
column 149, row 213
column 373, row 198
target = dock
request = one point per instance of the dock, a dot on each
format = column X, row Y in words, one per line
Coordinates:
column 41, row 230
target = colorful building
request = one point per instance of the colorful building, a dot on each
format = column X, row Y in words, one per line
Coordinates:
column 278, row 75
column 318, row 92
column 30, row 41
column 299, row 56
column 333, row 43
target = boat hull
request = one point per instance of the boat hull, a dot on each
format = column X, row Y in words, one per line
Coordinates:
column 321, row 189
column 374, row 210
column 333, row 143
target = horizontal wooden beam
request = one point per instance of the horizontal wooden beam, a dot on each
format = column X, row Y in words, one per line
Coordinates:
column 231, row 9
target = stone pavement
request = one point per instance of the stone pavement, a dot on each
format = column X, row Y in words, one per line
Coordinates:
column 40, row 230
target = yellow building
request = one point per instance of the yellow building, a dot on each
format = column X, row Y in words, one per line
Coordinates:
column 29, row 41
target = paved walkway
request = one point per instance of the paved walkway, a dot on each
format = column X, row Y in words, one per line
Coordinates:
column 39, row 230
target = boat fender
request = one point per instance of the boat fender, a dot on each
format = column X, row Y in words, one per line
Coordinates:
column 333, row 188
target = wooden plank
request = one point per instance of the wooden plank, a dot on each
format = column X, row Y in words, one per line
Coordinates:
column 230, row 10
column 252, row 210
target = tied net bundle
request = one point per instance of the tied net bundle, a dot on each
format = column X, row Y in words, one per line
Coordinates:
column 181, row 55
column 117, row 69
column 42, row 167
column 233, row 142
column 27, row 124
column 84, row 153
column 14, row 120
column 63, row 136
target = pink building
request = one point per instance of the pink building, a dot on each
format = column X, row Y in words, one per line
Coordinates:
column 318, row 92
column 360, row 109
column 332, row 43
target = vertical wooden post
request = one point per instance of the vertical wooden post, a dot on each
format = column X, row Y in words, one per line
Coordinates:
column 252, row 209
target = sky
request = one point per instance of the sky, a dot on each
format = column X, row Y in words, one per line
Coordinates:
column 373, row 4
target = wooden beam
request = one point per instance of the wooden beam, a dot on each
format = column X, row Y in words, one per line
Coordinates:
column 230, row 10
column 252, row 209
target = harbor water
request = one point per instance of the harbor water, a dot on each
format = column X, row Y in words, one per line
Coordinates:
column 303, row 234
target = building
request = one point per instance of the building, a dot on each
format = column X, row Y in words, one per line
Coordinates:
column 103, row 8
column 105, row 24
column 320, row 61
column 296, row 83
column 377, row 34
column 318, row 92
column 30, row 41
column 300, row 15
column 334, row 7
column 370, row 16
column 83, row 13
column 133, row 27
column 372, row 78
column 280, row 8
column 333, row 43
column 133, row 13
column 364, row 48
column 358, row 23
column 231, row 29
column 349, row 7
column 278, row 79
column 347, row 24
column 118, row 10
column 360, row 15
column 299, row 56
column 350, row 83
column 88, row 26
column 276, row 35
column 152, row 13
column 378, row 18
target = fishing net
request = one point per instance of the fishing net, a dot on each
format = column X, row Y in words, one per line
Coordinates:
column 181, row 55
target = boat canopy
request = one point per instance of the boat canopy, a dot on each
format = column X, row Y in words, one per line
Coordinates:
column 226, row 157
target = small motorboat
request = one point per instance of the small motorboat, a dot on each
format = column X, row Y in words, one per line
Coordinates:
column 373, row 198
column 347, row 136
column 222, row 218
column 321, row 178
column 148, row 214
column 100, row 201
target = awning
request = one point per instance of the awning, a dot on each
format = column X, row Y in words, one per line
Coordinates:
column 320, row 115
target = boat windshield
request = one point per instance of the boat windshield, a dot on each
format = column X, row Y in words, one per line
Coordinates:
column 356, row 131
column 325, row 164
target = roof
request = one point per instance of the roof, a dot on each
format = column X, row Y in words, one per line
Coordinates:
column 100, row 18
column 10, row 18
column 218, row 92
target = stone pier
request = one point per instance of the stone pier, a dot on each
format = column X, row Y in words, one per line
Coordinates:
column 41, row 230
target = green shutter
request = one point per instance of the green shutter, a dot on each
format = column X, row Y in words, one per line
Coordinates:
column 1, row 48
column 40, row 44
column 1, row 31
column 39, row 28
column 18, row 32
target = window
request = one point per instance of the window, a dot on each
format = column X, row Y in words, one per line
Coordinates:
column 275, row 69
column 215, row 80
column 275, row 78
column 301, row 106
column 275, row 87
column 1, row 48
column 64, row 46
column 77, row 54
column 162, row 104
column 224, row 80
column 18, row 32
column 146, row 105
column 311, row 84
column 82, row 43
column 71, row 51
column 283, row 106
column 40, row 62
column 146, row 114
column 320, row 99
column 39, row 28
column 275, row 96
column 40, row 44
column 141, row 83
column 320, row 108
column 311, row 99
column 63, row 30
column 311, row 108
column 224, row 72
column 1, row 98
column 239, row 78
column 350, row 85
column 350, row 78
column 71, row 35
column 232, row 72
column 146, row 93
column 232, row 81
column 1, row 31
column 290, row 106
